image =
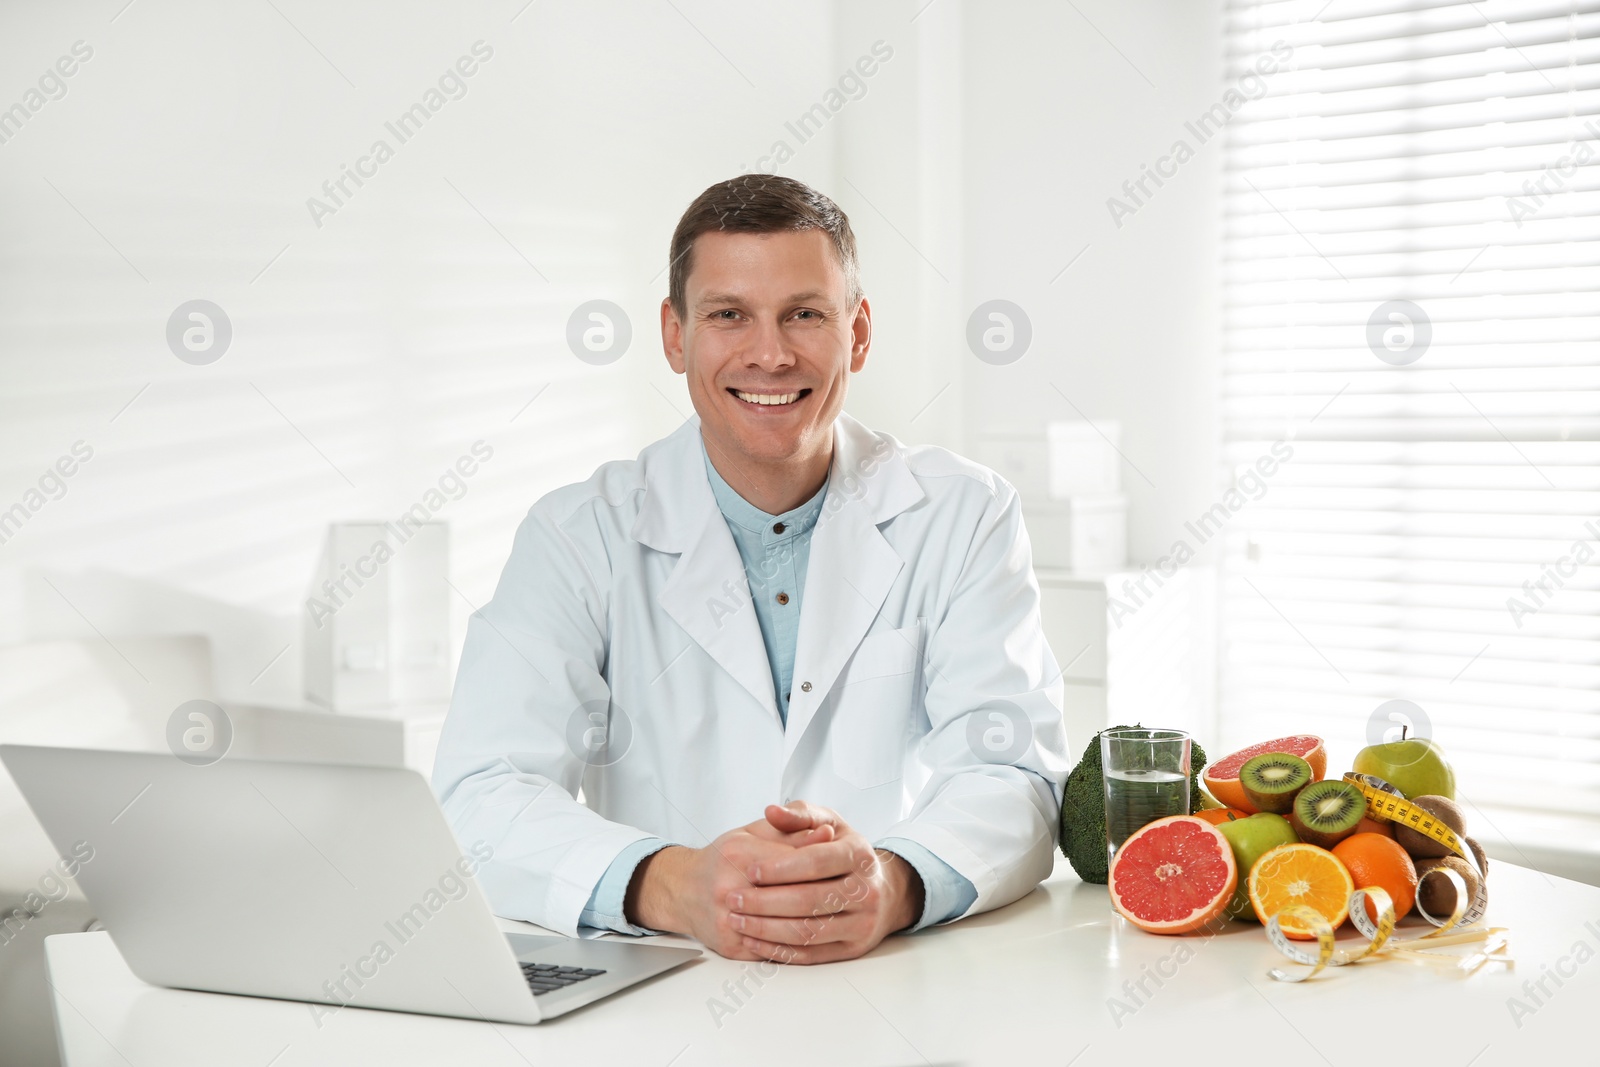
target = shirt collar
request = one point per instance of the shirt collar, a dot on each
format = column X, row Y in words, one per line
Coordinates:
column 739, row 511
column 870, row 479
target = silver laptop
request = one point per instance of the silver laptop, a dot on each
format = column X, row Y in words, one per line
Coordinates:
column 341, row 886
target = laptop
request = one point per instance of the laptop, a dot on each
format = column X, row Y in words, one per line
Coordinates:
column 341, row 886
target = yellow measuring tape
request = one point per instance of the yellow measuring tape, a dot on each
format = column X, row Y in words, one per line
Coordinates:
column 1392, row 808
column 1397, row 809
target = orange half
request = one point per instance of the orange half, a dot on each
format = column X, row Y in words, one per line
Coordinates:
column 1300, row 874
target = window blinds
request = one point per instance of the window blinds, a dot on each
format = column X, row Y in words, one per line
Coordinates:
column 1412, row 303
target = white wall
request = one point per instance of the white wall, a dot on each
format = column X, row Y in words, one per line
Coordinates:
column 376, row 348
column 389, row 339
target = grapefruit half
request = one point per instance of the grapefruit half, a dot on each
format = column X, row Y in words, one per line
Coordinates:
column 1222, row 776
column 1173, row 876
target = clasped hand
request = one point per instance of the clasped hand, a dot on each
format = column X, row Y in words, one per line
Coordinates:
column 798, row 886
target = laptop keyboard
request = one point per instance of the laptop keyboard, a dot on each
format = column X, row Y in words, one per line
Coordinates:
column 545, row 977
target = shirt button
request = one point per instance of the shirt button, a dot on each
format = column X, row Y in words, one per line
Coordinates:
column 783, row 598
column 778, row 527
column 805, row 687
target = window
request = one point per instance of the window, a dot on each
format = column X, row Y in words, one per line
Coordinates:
column 1412, row 305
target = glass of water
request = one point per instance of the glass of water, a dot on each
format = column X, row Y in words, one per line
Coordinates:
column 1147, row 778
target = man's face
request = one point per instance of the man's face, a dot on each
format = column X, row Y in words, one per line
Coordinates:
column 767, row 319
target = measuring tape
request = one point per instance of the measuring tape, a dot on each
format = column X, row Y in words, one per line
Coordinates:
column 1397, row 809
column 1309, row 920
column 1389, row 807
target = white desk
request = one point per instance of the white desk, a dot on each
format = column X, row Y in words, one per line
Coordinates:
column 1027, row 984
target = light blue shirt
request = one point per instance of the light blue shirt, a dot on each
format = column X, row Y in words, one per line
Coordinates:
column 775, row 550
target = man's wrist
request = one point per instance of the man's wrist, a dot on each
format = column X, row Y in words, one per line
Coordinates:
column 651, row 894
column 907, row 891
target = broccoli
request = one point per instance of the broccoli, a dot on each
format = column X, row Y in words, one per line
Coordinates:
column 1083, row 810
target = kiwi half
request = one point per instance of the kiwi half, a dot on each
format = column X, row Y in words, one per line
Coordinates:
column 1327, row 812
column 1272, row 779
column 1437, row 896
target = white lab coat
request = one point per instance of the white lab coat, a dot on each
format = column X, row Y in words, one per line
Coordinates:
column 926, row 702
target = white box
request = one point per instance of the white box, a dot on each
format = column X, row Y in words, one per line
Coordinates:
column 1065, row 459
column 1082, row 460
column 1072, row 608
column 1133, row 650
column 377, row 617
column 1087, row 534
column 1161, row 650
column 1023, row 459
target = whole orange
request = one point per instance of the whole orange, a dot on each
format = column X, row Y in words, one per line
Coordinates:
column 1369, row 825
column 1378, row 860
column 1218, row 816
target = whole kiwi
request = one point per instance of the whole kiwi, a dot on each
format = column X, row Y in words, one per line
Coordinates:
column 1420, row 846
column 1436, row 895
column 1479, row 855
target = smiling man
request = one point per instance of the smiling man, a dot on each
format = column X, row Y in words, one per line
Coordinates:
column 793, row 667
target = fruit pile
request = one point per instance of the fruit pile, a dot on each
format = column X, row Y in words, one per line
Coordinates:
column 1279, row 833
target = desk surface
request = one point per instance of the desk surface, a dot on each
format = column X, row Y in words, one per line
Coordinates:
column 1039, row 982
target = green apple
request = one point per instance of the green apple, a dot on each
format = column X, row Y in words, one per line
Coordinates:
column 1252, row 838
column 1415, row 766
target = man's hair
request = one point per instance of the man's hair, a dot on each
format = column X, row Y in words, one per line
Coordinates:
column 760, row 203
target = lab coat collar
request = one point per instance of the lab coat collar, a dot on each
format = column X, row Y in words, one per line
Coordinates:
column 677, row 493
column 851, row 571
column 867, row 469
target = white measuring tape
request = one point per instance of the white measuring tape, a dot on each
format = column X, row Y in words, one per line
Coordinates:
column 1396, row 809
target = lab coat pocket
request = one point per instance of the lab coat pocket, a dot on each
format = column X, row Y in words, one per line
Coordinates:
column 873, row 705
